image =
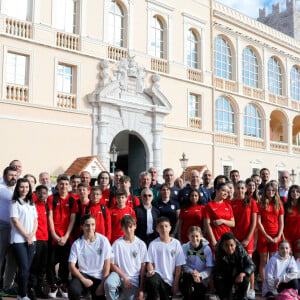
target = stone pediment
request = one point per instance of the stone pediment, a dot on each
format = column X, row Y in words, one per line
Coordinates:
column 127, row 87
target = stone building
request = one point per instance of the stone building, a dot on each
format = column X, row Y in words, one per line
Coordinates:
column 154, row 77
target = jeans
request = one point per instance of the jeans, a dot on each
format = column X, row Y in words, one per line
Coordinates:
column 24, row 254
column 5, row 229
column 76, row 287
column 113, row 282
column 191, row 289
column 39, row 265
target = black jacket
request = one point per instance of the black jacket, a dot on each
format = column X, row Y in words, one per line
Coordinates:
column 141, row 226
column 238, row 262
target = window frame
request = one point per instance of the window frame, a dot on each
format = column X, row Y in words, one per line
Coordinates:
column 275, row 77
column 250, row 117
column 223, row 50
column 193, row 49
column 198, row 103
column 230, row 116
column 162, row 40
column 250, row 59
column 295, row 83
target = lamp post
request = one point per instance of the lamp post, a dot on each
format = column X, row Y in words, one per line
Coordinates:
column 113, row 158
column 183, row 161
column 293, row 176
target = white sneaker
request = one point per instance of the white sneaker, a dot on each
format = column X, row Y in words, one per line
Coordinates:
column 22, row 298
column 64, row 291
column 251, row 294
column 52, row 292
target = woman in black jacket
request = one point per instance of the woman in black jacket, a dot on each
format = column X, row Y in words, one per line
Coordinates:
column 233, row 266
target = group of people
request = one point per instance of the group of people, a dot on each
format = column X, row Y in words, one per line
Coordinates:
column 150, row 242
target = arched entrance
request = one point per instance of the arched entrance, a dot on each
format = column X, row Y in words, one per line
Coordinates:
column 132, row 155
column 124, row 110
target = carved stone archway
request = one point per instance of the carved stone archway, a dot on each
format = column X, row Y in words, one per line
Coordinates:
column 124, row 103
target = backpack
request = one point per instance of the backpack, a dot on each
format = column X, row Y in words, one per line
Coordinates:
column 55, row 200
column 86, row 211
column 288, row 294
column 103, row 209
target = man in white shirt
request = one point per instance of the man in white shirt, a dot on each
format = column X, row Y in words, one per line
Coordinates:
column 92, row 252
column 6, row 191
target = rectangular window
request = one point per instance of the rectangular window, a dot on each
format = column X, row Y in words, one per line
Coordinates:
column 19, row 9
column 65, row 15
column 194, row 106
column 17, row 69
column 65, row 77
column 226, row 170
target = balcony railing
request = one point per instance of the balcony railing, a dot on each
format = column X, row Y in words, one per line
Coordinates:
column 252, row 92
column 225, row 84
column 66, row 40
column 67, row 101
column 18, row 28
column 296, row 149
column 278, row 146
column 116, row 53
column 194, row 75
column 195, row 123
column 295, row 104
column 281, row 100
column 226, row 139
column 252, row 143
column 159, row 65
column 17, row 92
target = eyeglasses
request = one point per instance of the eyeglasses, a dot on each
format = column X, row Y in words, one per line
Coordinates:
column 147, row 195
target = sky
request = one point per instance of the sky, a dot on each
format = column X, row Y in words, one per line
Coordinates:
column 251, row 7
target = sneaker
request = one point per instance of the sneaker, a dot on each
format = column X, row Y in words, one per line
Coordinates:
column 22, row 298
column 10, row 292
column 212, row 296
column 52, row 291
column 251, row 294
column 64, row 291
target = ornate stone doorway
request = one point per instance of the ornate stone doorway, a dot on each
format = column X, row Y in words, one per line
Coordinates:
column 122, row 103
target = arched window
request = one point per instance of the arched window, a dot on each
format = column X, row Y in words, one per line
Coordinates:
column 252, row 121
column 223, row 58
column 116, row 25
column 295, row 83
column 157, row 47
column 250, row 68
column 275, row 76
column 192, row 49
column 224, row 116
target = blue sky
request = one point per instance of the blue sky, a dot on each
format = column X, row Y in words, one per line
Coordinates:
column 250, row 7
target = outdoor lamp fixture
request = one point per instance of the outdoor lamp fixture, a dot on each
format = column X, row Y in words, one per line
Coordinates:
column 293, row 176
column 183, row 162
column 113, row 157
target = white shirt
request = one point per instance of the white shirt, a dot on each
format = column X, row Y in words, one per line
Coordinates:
column 129, row 257
column 91, row 256
column 26, row 215
column 166, row 257
column 5, row 202
column 149, row 220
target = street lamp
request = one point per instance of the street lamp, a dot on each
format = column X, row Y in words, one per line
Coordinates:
column 183, row 161
column 293, row 176
column 113, row 157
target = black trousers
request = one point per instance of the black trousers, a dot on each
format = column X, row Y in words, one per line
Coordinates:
column 58, row 254
column 76, row 288
column 192, row 290
column 293, row 284
column 224, row 284
column 39, row 265
column 156, row 288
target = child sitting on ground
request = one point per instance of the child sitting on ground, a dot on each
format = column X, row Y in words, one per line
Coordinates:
column 280, row 272
column 198, row 267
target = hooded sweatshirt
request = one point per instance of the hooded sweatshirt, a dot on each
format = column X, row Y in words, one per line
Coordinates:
column 279, row 269
column 200, row 259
